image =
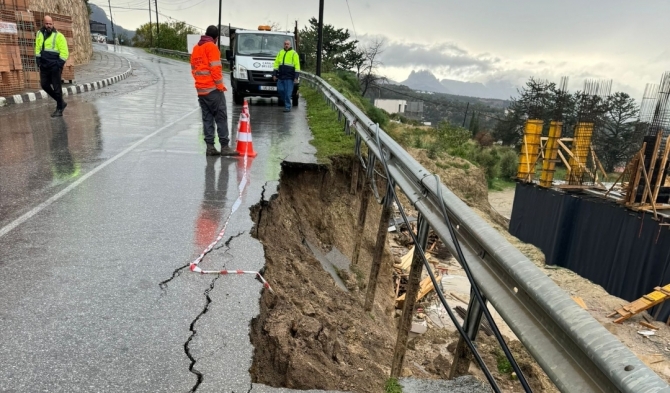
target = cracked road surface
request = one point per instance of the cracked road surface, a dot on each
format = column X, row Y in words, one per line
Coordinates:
column 101, row 212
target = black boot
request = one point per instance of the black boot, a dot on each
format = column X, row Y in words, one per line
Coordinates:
column 227, row 151
column 211, row 151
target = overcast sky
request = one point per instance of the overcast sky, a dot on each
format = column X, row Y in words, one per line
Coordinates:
column 476, row 40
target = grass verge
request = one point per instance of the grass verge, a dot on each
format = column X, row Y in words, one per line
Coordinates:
column 329, row 137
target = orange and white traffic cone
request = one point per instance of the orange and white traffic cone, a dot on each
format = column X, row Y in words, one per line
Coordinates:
column 245, row 108
column 244, row 144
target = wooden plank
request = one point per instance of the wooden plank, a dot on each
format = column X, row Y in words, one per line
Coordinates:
column 565, row 162
column 664, row 161
column 652, row 166
column 600, row 165
column 615, row 182
column 457, row 298
column 638, row 174
column 579, row 164
column 525, row 143
column 648, row 325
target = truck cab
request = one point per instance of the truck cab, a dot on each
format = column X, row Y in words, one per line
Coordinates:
column 251, row 56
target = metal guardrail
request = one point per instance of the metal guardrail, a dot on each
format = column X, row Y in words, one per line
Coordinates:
column 577, row 353
column 176, row 53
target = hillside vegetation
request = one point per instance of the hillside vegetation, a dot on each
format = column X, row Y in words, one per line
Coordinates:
column 445, row 146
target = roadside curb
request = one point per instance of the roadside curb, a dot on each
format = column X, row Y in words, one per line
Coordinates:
column 81, row 88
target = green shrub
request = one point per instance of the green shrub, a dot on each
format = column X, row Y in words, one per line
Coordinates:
column 509, row 162
column 376, row 115
column 451, row 136
column 392, row 386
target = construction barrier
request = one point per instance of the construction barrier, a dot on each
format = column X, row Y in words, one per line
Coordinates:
column 529, row 150
column 581, row 145
column 550, row 154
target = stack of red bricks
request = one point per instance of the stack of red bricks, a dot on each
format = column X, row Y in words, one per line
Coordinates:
column 18, row 25
column 11, row 69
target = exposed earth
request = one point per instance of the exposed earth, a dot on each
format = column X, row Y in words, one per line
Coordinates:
column 313, row 332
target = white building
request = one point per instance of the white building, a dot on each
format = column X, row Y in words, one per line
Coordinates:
column 391, row 106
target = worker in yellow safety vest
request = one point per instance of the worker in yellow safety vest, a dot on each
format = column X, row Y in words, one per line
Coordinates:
column 51, row 53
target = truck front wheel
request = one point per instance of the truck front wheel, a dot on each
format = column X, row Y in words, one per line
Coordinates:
column 238, row 99
column 296, row 99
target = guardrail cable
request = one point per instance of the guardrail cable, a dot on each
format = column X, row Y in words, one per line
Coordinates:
column 437, row 287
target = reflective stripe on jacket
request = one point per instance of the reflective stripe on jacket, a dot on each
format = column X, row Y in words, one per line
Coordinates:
column 55, row 51
column 206, row 67
column 287, row 64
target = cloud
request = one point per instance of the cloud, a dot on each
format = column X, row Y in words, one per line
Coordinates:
column 447, row 56
column 448, row 60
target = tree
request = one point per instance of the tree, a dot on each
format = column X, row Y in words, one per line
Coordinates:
column 474, row 123
column 367, row 63
column 172, row 35
column 338, row 50
column 123, row 39
column 535, row 101
column 618, row 138
column 143, row 35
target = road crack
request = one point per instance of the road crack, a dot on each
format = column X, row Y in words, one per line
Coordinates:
column 176, row 273
column 187, row 348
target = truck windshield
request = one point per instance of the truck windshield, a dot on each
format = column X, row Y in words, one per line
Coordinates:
column 261, row 44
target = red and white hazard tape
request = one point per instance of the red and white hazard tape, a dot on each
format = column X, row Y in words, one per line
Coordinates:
column 194, row 265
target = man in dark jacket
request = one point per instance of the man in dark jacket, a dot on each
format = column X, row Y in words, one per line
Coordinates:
column 287, row 70
column 207, row 72
column 51, row 53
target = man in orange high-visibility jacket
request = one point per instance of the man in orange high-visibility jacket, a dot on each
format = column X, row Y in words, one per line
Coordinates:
column 206, row 70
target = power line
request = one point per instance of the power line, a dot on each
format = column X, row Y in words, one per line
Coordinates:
column 352, row 20
column 185, row 8
column 159, row 13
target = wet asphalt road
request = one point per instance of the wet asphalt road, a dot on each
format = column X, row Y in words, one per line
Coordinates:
column 100, row 207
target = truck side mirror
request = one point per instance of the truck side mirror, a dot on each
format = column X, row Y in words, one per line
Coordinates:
column 229, row 55
column 302, row 58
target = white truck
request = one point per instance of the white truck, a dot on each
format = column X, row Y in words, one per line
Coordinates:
column 251, row 56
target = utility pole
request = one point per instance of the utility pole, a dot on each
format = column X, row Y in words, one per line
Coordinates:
column 466, row 113
column 111, row 21
column 319, row 42
column 219, row 38
column 151, row 32
column 158, row 25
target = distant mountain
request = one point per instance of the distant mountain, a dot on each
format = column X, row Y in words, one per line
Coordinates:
column 99, row 15
column 424, row 81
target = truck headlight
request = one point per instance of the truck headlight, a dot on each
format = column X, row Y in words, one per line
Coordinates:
column 241, row 72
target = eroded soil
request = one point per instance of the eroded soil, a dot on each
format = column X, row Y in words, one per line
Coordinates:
column 312, row 334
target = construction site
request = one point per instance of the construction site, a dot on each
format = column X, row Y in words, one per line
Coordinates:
column 613, row 233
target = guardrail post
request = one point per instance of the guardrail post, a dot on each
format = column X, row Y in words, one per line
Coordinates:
column 354, row 175
column 462, row 355
column 362, row 211
column 387, row 210
column 410, row 299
